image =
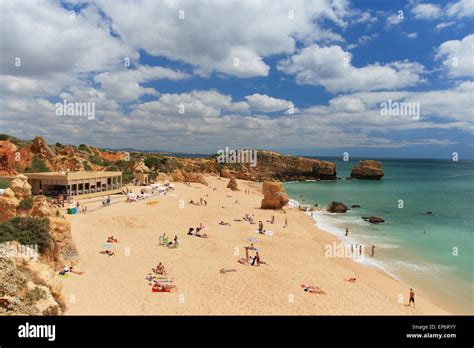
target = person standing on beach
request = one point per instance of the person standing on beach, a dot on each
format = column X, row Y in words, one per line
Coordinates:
column 347, row 231
column 286, row 223
column 360, row 249
column 412, row 298
column 373, row 251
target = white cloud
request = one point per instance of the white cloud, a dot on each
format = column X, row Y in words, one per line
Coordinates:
column 458, row 56
column 426, row 11
column 124, row 84
column 264, row 103
column 461, row 9
column 412, row 35
column 53, row 46
column 442, row 25
column 211, row 37
column 331, row 67
column 394, row 19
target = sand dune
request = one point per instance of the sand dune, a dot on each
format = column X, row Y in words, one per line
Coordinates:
column 295, row 256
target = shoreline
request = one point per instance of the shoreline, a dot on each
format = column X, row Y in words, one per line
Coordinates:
column 295, row 256
column 449, row 308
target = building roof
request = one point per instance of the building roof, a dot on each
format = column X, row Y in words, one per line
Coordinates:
column 72, row 175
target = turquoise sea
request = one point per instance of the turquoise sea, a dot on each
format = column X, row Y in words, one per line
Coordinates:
column 434, row 253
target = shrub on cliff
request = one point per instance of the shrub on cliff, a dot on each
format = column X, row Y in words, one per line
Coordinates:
column 26, row 231
column 26, row 203
column 4, row 183
column 37, row 165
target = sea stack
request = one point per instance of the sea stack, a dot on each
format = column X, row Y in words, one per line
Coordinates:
column 367, row 170
column 274, row 196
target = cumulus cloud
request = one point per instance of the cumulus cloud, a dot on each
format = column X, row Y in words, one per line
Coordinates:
column 44, row 43
column 264, row 103
column 124, row 84
column 426, row 11
column 231, row 38
column 458, row 56
column 331, row 67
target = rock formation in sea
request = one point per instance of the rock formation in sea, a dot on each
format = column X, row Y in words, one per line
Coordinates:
column 367, row 170
column 373, row 219
column 274, row 195
column 337, row 207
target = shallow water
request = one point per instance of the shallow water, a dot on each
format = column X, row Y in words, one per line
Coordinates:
column 432, row 253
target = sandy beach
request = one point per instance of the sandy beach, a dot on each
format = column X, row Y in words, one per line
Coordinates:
column 294, row 255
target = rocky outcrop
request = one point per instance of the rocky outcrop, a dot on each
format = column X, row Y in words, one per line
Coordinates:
column 21, row 187
column 355, row 206
column 367, row 170
column 226, row 173
column 29, row 288
column 337, row 207
column 140, row 167
column 42, row 150
column 41, row 208
column 163, row 177
column 177, row 175
column 195, row 177
column 233, row 184
column 288, row 168
column 62, row 250
column 8, row 205
column 274, row 196
column 373, row 219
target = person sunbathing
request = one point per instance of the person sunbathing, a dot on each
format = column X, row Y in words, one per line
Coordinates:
column 224, row 223
column 108, row 252
column 225, row 271
column 190, row 231
column 111, row 239
column 160, row 269
column 157, row 287
column 351, row 279
column 71, row 270
column 313, row 289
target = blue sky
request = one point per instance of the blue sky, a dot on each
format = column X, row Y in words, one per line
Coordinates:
column 332, row 63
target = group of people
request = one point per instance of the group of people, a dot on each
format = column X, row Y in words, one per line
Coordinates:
column 172, row 244
column 197, row 231
column 255, row 260
column 112, row 239
column 202, row 202
column 160, row 282
column 359, row 247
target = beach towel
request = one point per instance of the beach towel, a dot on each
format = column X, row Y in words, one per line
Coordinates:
column 164, row 290
column 153, row 202
column 267, row 233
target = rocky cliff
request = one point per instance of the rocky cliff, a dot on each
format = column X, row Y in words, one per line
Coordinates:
column 272, row 165
column 28, row 285
column 367, row 170
column 17, row 156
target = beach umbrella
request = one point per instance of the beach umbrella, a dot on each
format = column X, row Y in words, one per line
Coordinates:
column 252, row 240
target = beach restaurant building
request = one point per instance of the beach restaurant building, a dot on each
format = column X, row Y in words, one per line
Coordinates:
column 75, row 184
